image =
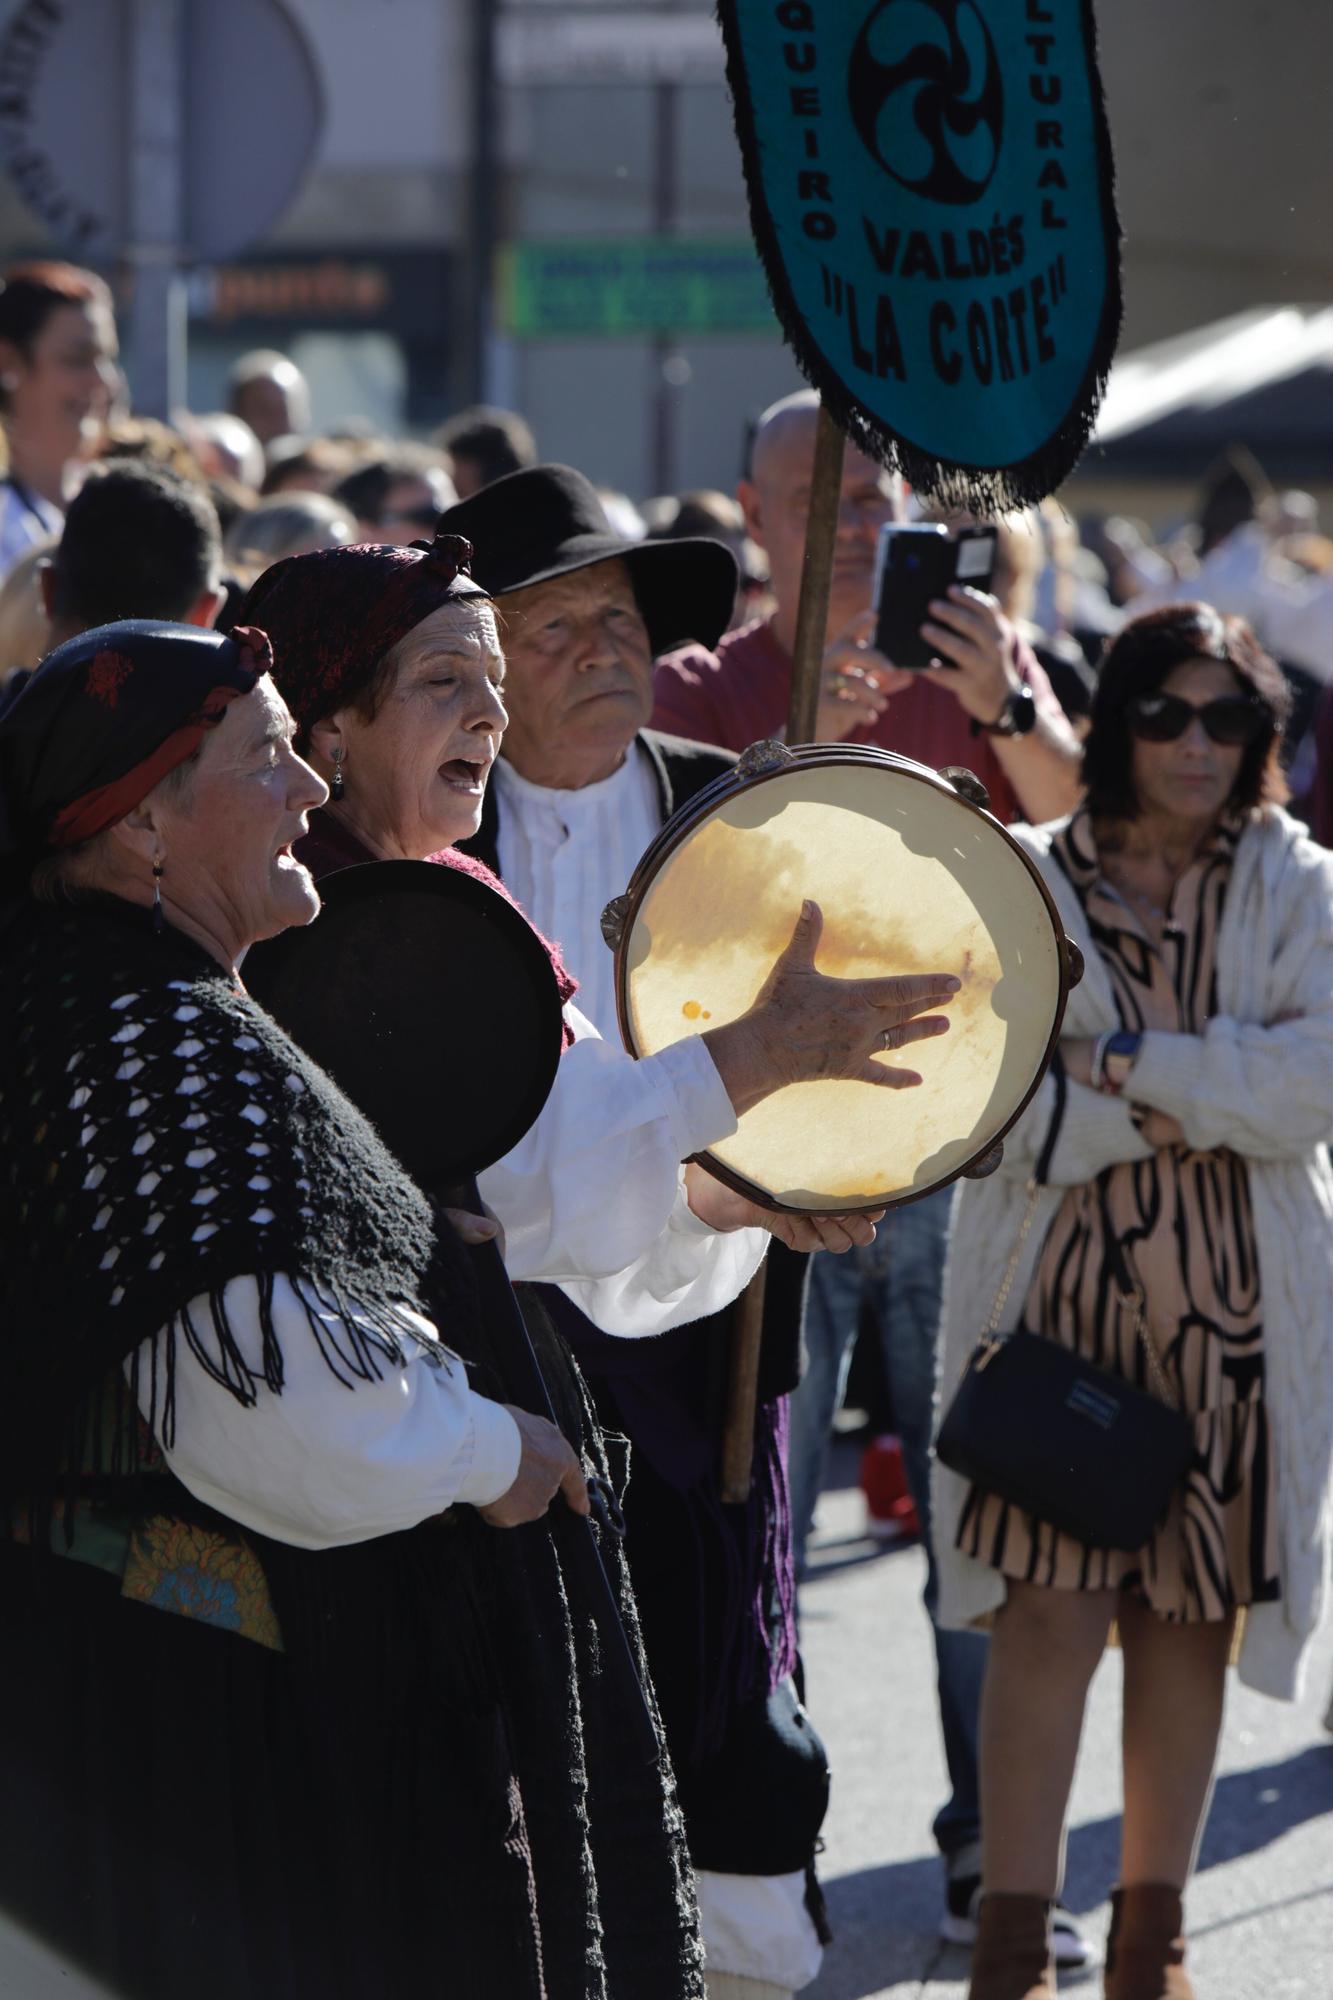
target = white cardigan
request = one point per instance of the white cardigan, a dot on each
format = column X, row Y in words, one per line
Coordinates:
column 1266, row 1092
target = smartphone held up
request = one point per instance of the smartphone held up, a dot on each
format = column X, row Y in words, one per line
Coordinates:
column 915, row 563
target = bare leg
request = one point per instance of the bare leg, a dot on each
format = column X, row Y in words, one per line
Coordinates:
column 1175, row 1678
column 1044, row 1649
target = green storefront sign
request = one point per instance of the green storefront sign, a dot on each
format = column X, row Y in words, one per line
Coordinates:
column 633, row 286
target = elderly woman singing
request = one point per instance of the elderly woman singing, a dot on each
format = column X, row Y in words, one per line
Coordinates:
column 293, row 1711
column 1181, row 1196
column 390, row 661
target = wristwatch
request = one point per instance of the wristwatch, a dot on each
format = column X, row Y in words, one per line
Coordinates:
column 1112, row 1060
column 1016, row 718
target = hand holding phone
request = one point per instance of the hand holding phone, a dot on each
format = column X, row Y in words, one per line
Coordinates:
column 973, row 639
column 915, row 565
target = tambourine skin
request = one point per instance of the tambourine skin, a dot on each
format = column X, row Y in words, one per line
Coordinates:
column 911, row 876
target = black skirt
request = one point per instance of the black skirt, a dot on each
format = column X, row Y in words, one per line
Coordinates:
column 175, row 1816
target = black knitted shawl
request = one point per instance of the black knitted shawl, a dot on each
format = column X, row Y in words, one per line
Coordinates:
column 160, row 1135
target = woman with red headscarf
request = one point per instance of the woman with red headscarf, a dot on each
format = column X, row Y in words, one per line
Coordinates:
column 266, row 1644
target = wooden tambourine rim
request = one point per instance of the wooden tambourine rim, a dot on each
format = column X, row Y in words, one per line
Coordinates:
column 812, row 757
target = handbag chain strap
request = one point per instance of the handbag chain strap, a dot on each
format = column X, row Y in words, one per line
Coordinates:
column 1128, row 1292
column 992, row 1330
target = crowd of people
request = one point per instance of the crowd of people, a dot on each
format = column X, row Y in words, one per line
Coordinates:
column 300, row 1587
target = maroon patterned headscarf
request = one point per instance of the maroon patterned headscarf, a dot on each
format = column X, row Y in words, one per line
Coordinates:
column 334, row 614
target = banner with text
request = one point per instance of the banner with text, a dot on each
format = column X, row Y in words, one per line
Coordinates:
column 932, row 192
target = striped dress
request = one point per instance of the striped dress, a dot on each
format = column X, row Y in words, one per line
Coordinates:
column 1184, row 1223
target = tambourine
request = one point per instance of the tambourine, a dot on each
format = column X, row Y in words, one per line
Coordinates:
column 912, row 874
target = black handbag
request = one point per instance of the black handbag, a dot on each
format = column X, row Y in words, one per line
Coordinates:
column 1071, row 1443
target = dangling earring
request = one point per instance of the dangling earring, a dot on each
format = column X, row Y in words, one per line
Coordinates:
column 159, row 921
column 337, row 788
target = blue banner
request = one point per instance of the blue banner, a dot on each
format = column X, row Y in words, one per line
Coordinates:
column 931, row 189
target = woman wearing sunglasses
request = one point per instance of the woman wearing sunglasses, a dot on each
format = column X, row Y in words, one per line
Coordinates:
column 1176, row 1149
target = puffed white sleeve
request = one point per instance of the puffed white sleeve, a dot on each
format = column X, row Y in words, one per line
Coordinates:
column 592, row 1198
column 323, row 1462
column 687, row 1273
column 597, row 1178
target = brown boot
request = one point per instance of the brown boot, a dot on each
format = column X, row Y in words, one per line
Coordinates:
column 1011, row 1959
column 1145, row 1952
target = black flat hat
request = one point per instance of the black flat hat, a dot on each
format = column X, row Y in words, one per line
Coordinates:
column 547, row 521
column 430, row 1000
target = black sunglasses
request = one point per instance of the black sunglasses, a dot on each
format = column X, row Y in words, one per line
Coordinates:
column 1232, row 719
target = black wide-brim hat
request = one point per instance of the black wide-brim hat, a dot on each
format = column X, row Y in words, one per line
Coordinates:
column 547, row 521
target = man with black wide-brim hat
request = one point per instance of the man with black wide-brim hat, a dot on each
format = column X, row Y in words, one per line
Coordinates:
column 581, row 788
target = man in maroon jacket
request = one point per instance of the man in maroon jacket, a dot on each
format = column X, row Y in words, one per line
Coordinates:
column 990, row 707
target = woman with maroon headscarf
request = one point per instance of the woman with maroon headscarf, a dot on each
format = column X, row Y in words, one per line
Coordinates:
column 390, row 662
column 392, row 666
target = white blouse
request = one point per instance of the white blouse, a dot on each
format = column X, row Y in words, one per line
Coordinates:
column 592, row 1197
column 322, row 1464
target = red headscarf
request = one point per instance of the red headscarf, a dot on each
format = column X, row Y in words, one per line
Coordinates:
column 106, row 716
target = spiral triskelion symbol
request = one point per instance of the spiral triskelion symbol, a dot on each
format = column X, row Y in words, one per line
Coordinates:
column 924, row 88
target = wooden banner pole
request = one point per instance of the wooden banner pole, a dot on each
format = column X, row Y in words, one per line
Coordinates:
column 807, row 674
column 816, row 577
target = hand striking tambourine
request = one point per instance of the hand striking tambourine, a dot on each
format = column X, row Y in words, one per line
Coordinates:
column 912, row 874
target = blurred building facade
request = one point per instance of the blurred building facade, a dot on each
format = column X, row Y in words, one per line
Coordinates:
column 371, row 276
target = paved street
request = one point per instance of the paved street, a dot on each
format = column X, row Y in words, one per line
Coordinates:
column 1261, row 1907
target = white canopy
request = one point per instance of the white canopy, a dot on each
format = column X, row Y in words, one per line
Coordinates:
column 1262, row 378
